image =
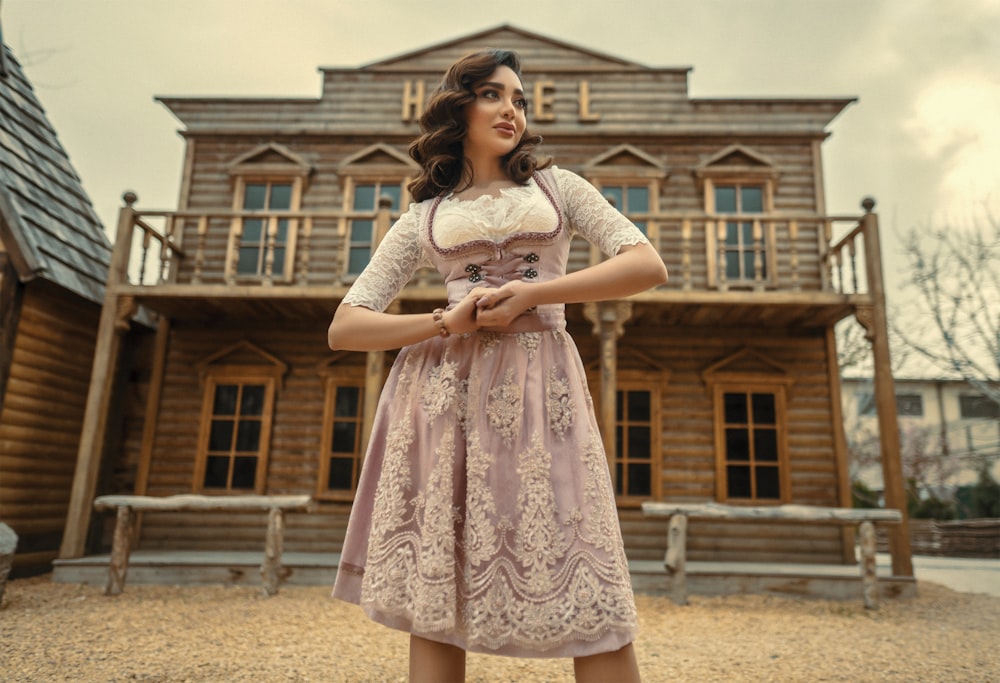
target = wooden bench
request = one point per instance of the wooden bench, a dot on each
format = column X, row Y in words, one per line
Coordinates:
column 127, row 506
column 679, row 513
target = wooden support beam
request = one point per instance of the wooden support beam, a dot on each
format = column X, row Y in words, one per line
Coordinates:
column 676, row 558
column 869, row 584
column 121, row 547
column 270, row 569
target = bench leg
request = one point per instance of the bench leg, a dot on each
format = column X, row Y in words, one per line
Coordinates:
column 675, row 558
column 270, row 570
column 120, row 549
column 868, row 578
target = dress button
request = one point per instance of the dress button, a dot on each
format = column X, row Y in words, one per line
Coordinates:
column 475, row 277
column 530, row 273
column 531, row 258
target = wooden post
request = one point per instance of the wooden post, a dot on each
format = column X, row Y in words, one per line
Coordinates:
column 676, row 558
column 885, row 394
column 868, row 578
column 374, row 370
column 102, row 376
column 121, row 547
column 270, row 569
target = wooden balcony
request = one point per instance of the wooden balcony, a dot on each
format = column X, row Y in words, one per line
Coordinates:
column 783, row 269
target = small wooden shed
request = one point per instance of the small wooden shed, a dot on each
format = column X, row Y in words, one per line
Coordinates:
column 54, row 258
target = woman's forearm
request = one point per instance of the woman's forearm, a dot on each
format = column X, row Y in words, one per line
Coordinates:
column 355, row 328
column 634, row 269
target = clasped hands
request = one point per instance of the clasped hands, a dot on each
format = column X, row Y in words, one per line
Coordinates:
column 489, row 307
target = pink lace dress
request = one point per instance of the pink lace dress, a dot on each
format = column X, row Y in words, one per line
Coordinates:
column 484, row 516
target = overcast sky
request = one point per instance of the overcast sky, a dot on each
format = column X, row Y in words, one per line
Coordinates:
column 923, row 138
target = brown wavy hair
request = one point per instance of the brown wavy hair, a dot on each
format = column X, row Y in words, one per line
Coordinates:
column 439, row 149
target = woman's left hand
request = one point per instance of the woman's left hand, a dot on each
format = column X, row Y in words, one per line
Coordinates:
column 500, row 306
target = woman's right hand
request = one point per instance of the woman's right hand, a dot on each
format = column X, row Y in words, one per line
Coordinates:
column 462, row 318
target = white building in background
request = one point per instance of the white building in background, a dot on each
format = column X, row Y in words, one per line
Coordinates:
column 947, row 428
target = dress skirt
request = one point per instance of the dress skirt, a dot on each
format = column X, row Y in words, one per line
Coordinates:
column 485, row 516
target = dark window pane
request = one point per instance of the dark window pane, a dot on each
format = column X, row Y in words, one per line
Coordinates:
column 255, row 196
column 282, row 235
column 866, row 404
column 393, row 192
column 364, row 197
column 358, row 259
column 765, row 444
column 620, row 405
column 763, row 409
column 252, row 402
column 244, row 472
column 344, row 437
column 253, row 229
column 638, row 199
column 751, row 199
column 638, row 406
column 749, row 271
column 737, row 444
column 642, row 227
column 738, row 481
column 639, row 480
column 216, row 472
column 619, row 484
column 248, row 436
column 281, row 197
column 767, row 483
column 619, row 441
column 279, row 262
column 733, row 266
column 614, row 195
column 225, row 399
column 733, row 234
column 725, row 200
column 341, row 474
column 977, row 407
column 249, row 260
column 220, row 436
column 346, row 401
column 639, row 442
column 746, row 235
column 735, row 408
column 361, row 231
column 911, row 405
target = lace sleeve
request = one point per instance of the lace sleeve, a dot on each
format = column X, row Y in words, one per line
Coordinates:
column 593, row 217
column 391, row 266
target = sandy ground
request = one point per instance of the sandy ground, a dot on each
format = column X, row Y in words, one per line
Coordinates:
column 67, row 632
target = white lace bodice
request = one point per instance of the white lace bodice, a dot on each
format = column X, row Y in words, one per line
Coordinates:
column 519, row 209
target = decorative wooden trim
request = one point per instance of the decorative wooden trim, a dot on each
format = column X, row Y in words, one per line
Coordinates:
column 294, row 164
column 271, row 367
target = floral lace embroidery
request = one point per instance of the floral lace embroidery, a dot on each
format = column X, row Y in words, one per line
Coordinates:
column 504, row 408
column 481, row 539
column 593, row 217
column 392, row 265
column 601, row 526
column 489, row 342
column 529, row 341
column 539, row 541
column 440, row 391
column 559, row 403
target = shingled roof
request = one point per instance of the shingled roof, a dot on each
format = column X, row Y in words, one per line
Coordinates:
column 47, row 222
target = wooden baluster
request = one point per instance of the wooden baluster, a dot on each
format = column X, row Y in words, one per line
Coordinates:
column 720, row 233
column 272, row 238
column 793, row 237
column 758, row 255
column 686, row 254
column 825, row 239
column 839, row 258
column 307, row 229
column 199, row 256
column 146, row 237
column 235, row 239
column 852, row 250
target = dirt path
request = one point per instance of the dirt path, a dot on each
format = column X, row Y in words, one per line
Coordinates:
column 65, row 632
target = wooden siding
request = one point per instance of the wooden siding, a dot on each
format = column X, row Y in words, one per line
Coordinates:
column 41, row 417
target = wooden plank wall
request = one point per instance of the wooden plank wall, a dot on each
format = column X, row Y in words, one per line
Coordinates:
column 42, row 415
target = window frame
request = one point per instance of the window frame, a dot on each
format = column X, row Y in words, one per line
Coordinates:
column 976, row 399
column 630, row 382
column 717, row 225
column 602, row 178
column 240, row 375
column 333, row 379
column 270, row 178
column 763, row 386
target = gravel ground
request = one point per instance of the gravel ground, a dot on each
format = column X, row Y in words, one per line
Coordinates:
column 68, row 632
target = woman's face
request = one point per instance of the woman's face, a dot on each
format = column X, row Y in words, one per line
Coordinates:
column 496, row 118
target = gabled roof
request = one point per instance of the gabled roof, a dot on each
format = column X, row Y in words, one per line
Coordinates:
column 546, row 53
column 47, row 221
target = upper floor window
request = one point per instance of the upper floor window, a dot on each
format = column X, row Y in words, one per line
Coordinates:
column 743, row 242
column 362, row 234
column 629, row 199
column 264, row 242
column 907, row 405
column 978, row 407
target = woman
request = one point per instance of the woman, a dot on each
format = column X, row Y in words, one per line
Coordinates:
column 485, row 519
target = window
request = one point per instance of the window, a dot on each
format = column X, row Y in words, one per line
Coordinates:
column 634, row 443
column 362, row 238
column 752, row 463
column 629, row 199
column 341, row 457
column 256, row 246
column 909, row 405
column 743, row 244
column 978, row 407
column 235, row 432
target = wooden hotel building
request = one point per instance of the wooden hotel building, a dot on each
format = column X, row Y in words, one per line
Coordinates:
column 212, row 373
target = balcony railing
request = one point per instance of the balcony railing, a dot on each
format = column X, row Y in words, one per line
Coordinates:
column 786, row 252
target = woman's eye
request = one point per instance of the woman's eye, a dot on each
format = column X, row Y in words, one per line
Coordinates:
column 489, row 94
column 521, row 104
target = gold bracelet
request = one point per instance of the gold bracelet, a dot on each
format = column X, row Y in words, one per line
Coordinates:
column 438, row 316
